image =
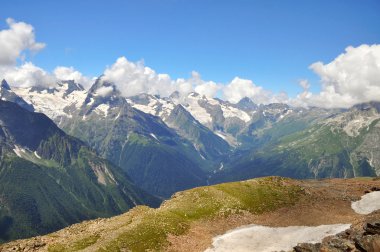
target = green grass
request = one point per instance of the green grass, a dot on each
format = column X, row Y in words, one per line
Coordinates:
column 76, row 246
column 257, row 196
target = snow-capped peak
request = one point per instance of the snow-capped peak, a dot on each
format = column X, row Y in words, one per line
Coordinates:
column 59, row 101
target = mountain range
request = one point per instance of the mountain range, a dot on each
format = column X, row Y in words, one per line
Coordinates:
column 102, row 153
column 210, row 134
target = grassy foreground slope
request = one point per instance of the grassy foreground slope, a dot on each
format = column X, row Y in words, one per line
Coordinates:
column 144, row 228
column 190, row 219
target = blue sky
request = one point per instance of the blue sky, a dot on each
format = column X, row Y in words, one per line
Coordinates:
column 269, row 42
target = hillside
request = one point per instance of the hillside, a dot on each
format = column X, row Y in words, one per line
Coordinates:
column 190, row 219
column 342, row 145
column 152, row 154
column 49, row 180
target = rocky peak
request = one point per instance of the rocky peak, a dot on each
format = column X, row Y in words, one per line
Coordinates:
column 41, row 89
column 6, row 94
column 247, row 104
column 174, row 95
column 70, row 86
column 143, row 99
column 367, row 106
column 193, row 94
column 4, row 85
column 102, row 92
column 277, row 106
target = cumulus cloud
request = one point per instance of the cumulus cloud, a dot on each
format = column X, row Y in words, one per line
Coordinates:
column 69, row 73
column 27, row 75
column 352, row 77
column 239, row 88
column 13, row 41
column 133, row 78
column 104, row 91
column 207, row 88
column 304, row 84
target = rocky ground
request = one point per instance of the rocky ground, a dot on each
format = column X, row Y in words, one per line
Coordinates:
column 323, row 202
column 364, row 235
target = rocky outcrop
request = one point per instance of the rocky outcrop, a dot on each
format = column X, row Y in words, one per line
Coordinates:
column 364, row 237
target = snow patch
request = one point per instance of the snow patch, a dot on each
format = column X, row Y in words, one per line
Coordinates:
column 368, row 203
column 219, row 134
column 92, row 100
column 196, row 110
column 18, row 150
column 102, row 109
column 36, row 154
column 118, row 115
column 266, row 239
column 221, row 166
column 229, row 112
column 154, row 136
column 150, row 108
column 52, row 104
column 352, row 123
column 156, row 106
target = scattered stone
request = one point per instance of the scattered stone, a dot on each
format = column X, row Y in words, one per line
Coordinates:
column 361, row 239
column 307, row 247
column 375, row 188
column 337, row 244
column 368, row 243
column 372, row 228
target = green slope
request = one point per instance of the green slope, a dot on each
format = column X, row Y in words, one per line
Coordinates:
column 147, row 229
column 326, row 148
column 49, row 180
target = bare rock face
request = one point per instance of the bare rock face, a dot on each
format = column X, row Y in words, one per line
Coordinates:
column 307, row 247
column 364, row 239
column 372, row 228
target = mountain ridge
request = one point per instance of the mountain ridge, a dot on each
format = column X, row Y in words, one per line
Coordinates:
column 212, row 135
column 63, row 181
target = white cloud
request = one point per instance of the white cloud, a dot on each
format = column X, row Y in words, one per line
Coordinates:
column 69, row 73
column 304, row 84
column 352, row 77
column 18, row 39
column 13, row 41
column 27, row 75
column 130, row 78
column 207, row 88
column 104, row 91
column 135, row 78
column 239, row 88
